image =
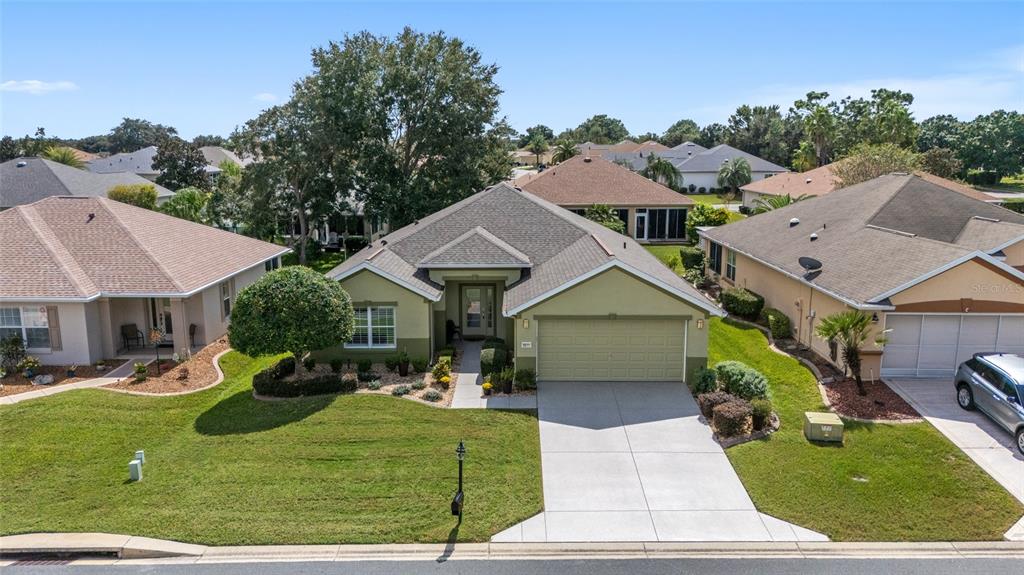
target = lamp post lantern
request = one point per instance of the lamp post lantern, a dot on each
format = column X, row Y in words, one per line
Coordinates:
column 457, row 501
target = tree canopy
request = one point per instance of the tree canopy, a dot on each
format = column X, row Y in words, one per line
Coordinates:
column 140, row 195
column 606, row 216
column 684, row 130
column 188, row 204
column 133, row 133
column 600, row 129
column 540, row 130
column 181, row 165
column 63, row 155
column 868, row 161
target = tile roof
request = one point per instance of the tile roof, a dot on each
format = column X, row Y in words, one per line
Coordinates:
column 80, row 248
column 872, row 237
column 27, row 180
column 560, row 245
column 582, row 181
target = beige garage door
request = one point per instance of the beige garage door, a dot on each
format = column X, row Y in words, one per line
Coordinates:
column 610, row 350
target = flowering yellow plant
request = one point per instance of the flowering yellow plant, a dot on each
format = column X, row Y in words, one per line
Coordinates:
column 445, row 379
column 487, row 385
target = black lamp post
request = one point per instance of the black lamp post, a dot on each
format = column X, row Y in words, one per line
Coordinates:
column 460, row 454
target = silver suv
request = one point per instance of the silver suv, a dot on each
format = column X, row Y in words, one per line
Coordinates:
column 994, row 383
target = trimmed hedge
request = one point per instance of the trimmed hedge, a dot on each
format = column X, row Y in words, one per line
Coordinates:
column 270, row 382
column 733, row 418
column 494, row 342
column 492, row 360
column 1014, row 205
column 692, row 257
column 742, row 380
column 742, row 302
column 705, row 380
column 708, row 401
column 778, row 323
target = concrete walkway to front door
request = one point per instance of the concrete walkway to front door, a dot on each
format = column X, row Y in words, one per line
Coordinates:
column 469, row 394
column 634, row 462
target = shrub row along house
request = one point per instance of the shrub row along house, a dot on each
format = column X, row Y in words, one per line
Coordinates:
column 82, row 278
column 940, row 272
column 575, row 300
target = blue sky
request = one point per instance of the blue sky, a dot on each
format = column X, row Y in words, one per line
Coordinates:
column 204, row 67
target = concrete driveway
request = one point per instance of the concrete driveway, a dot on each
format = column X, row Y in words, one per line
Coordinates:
column 633, row 462
column 989, row 445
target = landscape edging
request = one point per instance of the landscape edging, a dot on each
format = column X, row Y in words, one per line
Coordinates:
column 216, row 382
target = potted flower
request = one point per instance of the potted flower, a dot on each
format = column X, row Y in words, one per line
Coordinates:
column 445, row 381
column 101, row 365
column 487, row 387
column 28, row 366
column 403, row 364
column 507, row 378
column 71, row 370
column 140, row 371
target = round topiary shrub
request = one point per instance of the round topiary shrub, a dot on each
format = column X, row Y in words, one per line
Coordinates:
column 778, row 323
column 708, row 401
column 732, row 418
column 742, row 380
column 705, row 380
column 293, row 309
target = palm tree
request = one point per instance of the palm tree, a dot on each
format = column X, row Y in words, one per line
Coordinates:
column 537, row 146
column 663, row 171
column 734, row 174
column 565, row 150
column 63, row 155
column 775, row 202
column 850, row 329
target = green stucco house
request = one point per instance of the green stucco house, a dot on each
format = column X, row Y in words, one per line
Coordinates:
column 573, row 299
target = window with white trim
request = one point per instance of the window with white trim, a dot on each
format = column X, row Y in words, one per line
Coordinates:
column 31, row 324
column 225, row 299
column 374, row 328
column 715, row 257
column 730, row 265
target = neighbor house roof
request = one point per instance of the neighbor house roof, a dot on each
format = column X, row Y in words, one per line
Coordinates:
column 139, row 162
column 215, row 155
column 875, row 237
column 691, row 158
column 81, row 248
column 27, row 180
column 559, row 247
column 583, row 181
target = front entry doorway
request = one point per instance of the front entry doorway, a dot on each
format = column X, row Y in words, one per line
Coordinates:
column 160, row 312
column 477, row 310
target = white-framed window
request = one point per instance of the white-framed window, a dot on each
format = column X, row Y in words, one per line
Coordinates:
column 225, row 299
column 272, row 264
column 660, row 224
column 31, row 324
column 730, row 266
column 374, row 328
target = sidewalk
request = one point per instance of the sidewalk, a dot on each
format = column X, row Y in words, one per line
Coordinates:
column 121, row 371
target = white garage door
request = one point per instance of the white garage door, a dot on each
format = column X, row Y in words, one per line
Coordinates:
column 610, row 350
column 929, row 345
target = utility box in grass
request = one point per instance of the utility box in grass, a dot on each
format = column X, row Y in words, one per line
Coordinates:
column 823, row 427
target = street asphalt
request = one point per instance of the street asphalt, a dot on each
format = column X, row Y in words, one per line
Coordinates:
column 780, row 566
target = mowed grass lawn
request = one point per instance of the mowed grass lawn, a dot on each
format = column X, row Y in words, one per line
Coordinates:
column 887, row 483
column 666, row 253
column 222, row 468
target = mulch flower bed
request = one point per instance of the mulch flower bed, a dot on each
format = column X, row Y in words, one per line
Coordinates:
column 881, row 402
column 389, row 380
column 190, row 375
column 16, row 383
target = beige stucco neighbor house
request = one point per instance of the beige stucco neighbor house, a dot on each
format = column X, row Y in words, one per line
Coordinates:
column 76, row 271
column 653, row 213
column 941, row 272
column 573, row 299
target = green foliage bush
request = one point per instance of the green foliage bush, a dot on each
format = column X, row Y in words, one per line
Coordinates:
column 139, row 195
column 12, row 352
column 442, row 367
column 692, row 257
column 366, row 376
column 732, row 418
column 708, row 401
column 742, row 380
column 778, row 323
column 1016, row 205
column 492, row 360
column 391, row 362
column 270, row 382
column 419, row 364
column 400, row 391
column 696, row 277
column 742, row 302
column 337, row 365
column 373, row 385
column 364, row 365
column 704, row 381
column 293, row 309
column 701, row 215
column 762, row 413
column 525, row 379
column 309, row 362
column 432, row 395
column 420, row 384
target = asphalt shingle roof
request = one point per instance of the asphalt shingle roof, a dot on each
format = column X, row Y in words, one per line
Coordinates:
column 70, row 247
column 872, row 237
column 560, row 245
column 582, row 181
column 27, row 180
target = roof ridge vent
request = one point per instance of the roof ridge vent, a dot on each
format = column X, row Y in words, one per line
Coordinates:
column 891, row 231
column 985, row 219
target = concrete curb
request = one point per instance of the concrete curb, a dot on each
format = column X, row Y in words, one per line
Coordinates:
column 128, row 548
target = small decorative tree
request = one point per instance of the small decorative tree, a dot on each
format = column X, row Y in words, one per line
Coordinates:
column 606, row 216
column 850, row 329
column 293, row 309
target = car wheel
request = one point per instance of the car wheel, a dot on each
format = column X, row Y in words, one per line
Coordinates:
column 964, row 397
column 1020, row 440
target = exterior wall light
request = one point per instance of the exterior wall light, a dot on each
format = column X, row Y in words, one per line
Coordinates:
column 700, row 324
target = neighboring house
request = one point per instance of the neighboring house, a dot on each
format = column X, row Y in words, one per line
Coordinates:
column 351, row 217
column 216, row 155
column 27, row 180
column 652, row 212
column 77, row 273
column 822, row 180
column 623, row 147
column 697, row 165
column 524, row 157
column 942, row 271
column 139, row 162
column 573, row 299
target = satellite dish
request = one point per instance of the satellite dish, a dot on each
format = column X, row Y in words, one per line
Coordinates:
column 809, row 264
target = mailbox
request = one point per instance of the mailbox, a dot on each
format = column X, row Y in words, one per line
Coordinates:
column 823, row 427
column 457, row 504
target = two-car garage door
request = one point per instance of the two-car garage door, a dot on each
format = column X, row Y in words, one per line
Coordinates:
column 591, row 349
column 927, row 345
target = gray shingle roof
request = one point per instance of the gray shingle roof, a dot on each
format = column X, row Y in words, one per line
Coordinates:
column 477, row 247
column 690, row 159
column 871, row 238
column 560, row 245
column 138, row 162
column 27, row 180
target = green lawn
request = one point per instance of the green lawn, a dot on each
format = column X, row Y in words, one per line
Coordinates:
column 707, row 198
column 887, row 483
column 665, row 253
column 225, row 469
column 322, row 262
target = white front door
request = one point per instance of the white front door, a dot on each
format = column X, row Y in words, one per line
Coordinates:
column 477, row 310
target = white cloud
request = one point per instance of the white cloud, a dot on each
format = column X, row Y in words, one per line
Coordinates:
column 265, row 97
column 37, row 86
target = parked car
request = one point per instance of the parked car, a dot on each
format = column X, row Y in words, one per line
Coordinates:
column 994, row 383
